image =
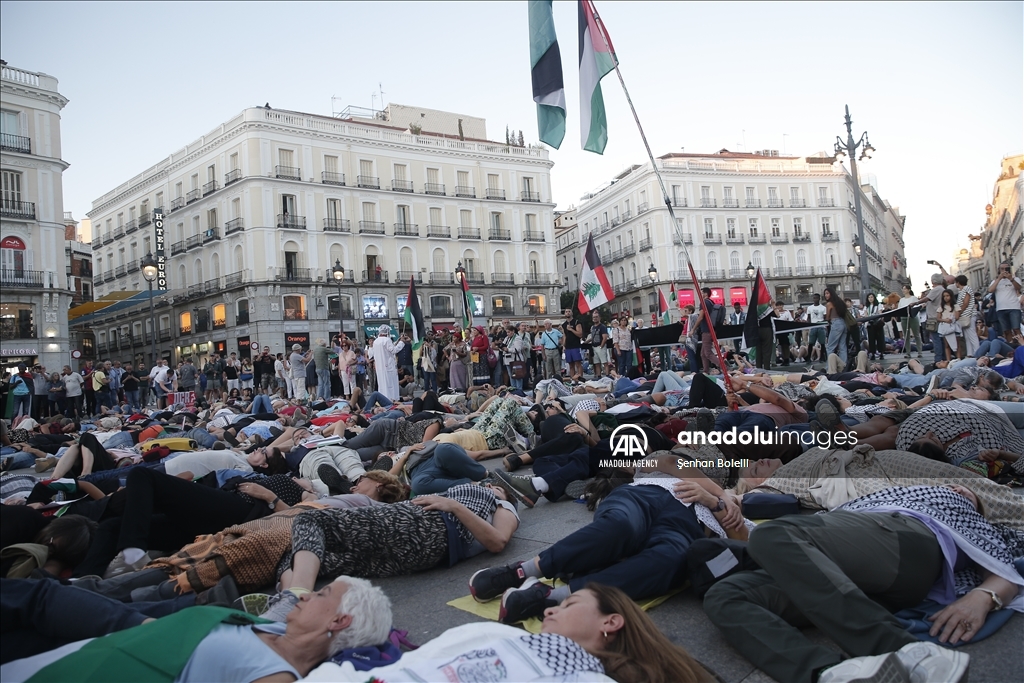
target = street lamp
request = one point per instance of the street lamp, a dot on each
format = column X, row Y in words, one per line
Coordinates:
column 843, row 149
column 150, row 271
column 751, row 270
column 851, row 268
column 460, row 275
column 652, row 272
column 339, row 276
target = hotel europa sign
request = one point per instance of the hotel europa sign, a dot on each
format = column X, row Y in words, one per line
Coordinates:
column 161, row 259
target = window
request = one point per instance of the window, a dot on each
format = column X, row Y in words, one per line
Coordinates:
column 220, row 316
column 365, row 168
column 500, row 266
column 110, row 227
column 826, row 225
column 727, row 193
column 438, row 261
column 465, row 218
column 794, row 194
column 402, row 214
column 193, row 182
column 501, row 305
column 441, row 306
column 436, row 217
column 463, row 178
column 233, row 162
column 712, row 260
column 131, row 214
column 285, row 157
column 333, row 209
column 780, row 259
column 755, row 258
column 10, row 123
column 185, row 322
column 536, row 304
column 625, row 206
column 195, row 226
column 823, row 196
column 709, row 227
column 331, row 164
column 134, row 250
column 375, row 306
column 798, row 226
column 801, row 258
column 730, row 224
column 773, row 196
column 753, row 227
column 288, row 204
column 144, row 208
column 776, row 227
column 369, row 212
column 177, row 190
column 528, row 186
column 211, row 173
column 236, row 208
column 618, row 242
column 705, row 192
column 146, row 246
column 211, row 222
column 14, row 257
column 643, row 196
column 120, row 256
column 830, row 257
column 400, row 172
column 295, row 307
column 160, row 200
column 433, row 176
column 405, row 261
column 11, row 187
column 751, row 193
column 120, row 220
column 493, row 181
column 734, row 259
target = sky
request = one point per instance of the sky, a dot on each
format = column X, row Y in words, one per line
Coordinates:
column 938, row 86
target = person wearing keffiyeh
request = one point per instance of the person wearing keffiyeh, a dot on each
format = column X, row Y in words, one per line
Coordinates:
column 847, row 570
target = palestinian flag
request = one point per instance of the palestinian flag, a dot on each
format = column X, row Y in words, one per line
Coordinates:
column 414, row 319
column 673, row 298
column 759, row 307
column 666, row 319
column 546, row 71
column 597, row 58
column 594, row 287
column 468, row 305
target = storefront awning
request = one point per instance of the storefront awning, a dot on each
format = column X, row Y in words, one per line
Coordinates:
column 123, row 301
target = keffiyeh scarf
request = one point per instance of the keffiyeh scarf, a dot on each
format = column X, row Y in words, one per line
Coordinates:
column 479, row 499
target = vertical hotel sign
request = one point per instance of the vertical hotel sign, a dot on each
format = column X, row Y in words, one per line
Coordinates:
column 161, row 259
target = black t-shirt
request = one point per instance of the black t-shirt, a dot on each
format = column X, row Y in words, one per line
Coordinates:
column 230, row 371
column 129, row 382
column 596, row 332
column 571, row 340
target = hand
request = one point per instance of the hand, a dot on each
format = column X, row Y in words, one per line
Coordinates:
column 576, row 429
column 439, row 503
column 962, row 619
column 690, row 491
column 939, row 393
column 733, row 515
column 256, row 491
column 993, row 454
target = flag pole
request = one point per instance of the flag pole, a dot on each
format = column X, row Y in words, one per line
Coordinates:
column 664, row 193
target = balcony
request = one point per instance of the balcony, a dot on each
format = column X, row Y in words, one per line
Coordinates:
column 101, row 347
column 783, row 271
column 730, row 203
column 401, row 186
column 15, row 209
column 133, row 266
column 234, row 280
column 494, row 193
column 177, row 203
column 193, row 196
column 469, row 233
column 805, row 271
column 752, row 203
column 834, row 270
column 465, row 191
column 604, row 227
column 775, row 204
column 733, row 238
column 145, row 219
column 371, row 227
column 178, row 248
column 681, row 202
column 797, row 203
column 533, row 236
column 193, row 242
column 212, row 234
column 621, row 287
column 407, row 229
column 756, row 239
column 108, row 275
column 687, row 238
column 628, row 250
column 15, row 143
column 645, row 245
column 165, row 335
column 712, row 239
column 375, row 276
column 120, row 271
column 829, row 236
column 368, row 181
column 210, row 187
column 641, row 208
column 714, row 274
column 288, row 222
column 503, row 279
column 288, row 172
column 406, row 275
column 234, row 225
column 232, row 176
column 97, row 242
column 337, row 225
column 616, row 221
column 825, row 202
column 441, row 311
column 540, row 279
column 737, row 273
column 801, row 237
column 131, row 226
column 443, row 231
column 295, row 314
column 442, row 278
column 705, row 203
column 332, row 178
column 474, row 278
column 348, row 279
column 780, row 238
column 611, row 256
column 529, row 196
column 220, row 323
column 499, row 234
column 118, row 232
column 16, row 277
column 287, row 274
column 434, row 188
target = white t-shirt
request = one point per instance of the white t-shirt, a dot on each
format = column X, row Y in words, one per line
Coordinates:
column 816, row 314
column 158, row 374
column 73, row 384
column 1007, row 298
column 201, row 463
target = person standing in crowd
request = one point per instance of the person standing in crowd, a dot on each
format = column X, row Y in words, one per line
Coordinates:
column 263, row 371
column 948, row 327
column 933, row 300
column 385, row 361
column 428, row 363
column 836, row 314
column 297, row 371
column 322, row 362
column 1007, row 291
column 572, row 342
column 40, row 393
column 231, row 370
column 911, row 323
column 101, row 387
column 602, row 364
column 479, row 345
column 517, row 350
column 622, row 345
column 551, row 341
column 404, row 360
column 90, row 395
column 187, row 376
column 707, row 349
column 143, row 376
column 130, row 382
column 346, row 366
column 246, row 376
column 876, row 328
column 281, row 379
column 967, row 311
column 73, row 393
column 738, row 316
column 214, row 371
column 158, row 379
column 783, row 339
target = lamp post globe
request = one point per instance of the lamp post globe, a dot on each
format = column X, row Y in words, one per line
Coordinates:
column 652, row 272
column 851, row 268
column 150, row 271
column 751, row 270
column 338, row 272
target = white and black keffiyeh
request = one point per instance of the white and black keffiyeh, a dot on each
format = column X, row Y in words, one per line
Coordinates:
column 560, row 654
column 950, row 419
column 479, row 499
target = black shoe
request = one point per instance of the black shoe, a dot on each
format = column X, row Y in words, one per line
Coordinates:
column 512, row 462
column 490, row 583
column 703, row 421
column 576, row 489
column 384, row 462
column 827, row 415
column 521, row 488
column 336, row 482
column 530, row 600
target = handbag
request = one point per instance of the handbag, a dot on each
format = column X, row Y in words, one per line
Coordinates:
column 492, row 359
column 945, row 328
column 518, row 369
column 931, row 325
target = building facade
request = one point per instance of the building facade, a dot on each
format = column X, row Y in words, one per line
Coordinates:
column 1002, row 234
column 256, row 214
column 77, row 262
column 791, row 216
column 34, row 294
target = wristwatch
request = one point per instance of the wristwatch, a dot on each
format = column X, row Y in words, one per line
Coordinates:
column 273, row 503
column 719, row 507
column 992, row 594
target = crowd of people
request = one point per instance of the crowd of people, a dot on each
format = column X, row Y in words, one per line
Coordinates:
column 250, row 502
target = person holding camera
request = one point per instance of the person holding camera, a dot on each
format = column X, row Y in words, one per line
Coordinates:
column 1007, row 291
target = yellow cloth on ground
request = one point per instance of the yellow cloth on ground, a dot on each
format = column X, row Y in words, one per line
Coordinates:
column 489, row 610
column 470, row 439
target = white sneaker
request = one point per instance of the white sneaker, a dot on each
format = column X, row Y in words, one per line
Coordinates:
column 931, row 663
column 119, row 566
column 885, row 668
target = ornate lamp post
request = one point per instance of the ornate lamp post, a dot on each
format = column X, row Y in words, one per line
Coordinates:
column 150, row 271
column 339, row 277
column 849, row 147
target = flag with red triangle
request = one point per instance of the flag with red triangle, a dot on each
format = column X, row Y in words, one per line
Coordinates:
column 595, row 290
column 666, row 319
column 760, row 306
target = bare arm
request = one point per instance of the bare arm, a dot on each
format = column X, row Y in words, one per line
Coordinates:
column 494, row 536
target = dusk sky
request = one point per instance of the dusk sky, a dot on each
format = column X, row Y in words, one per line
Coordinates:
column 937, row 85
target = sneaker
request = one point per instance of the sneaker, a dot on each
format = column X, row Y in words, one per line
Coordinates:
column 885, row 668
column 529, row 600
column 930, row 663
column 521, row 488
column 575, row 489
column 512, row 462
column 254, row 603
column 336, row 482
column 703, row 421
column 119, row 566
column 43, row 464
column 827, row 415
column 280, row 605
column 491, row 583
column 384, row 462
column 514, row 441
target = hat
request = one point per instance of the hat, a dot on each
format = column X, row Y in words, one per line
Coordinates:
column 384, row 330
column 296, row 347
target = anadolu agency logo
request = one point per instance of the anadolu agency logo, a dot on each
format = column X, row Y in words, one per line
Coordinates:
column 629, row 446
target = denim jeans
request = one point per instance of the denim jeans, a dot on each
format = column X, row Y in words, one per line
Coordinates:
column 430, row 381
column 323, row 383
column 261, row 404
column 22, row 405
column 377, row 399
column 1008, row 320
column 837, row 339
column 991, row 347
column 624, row 363
column 19, row 459
column 132, row 397
column 448, row 466
column 670, row 381
column 744, row 421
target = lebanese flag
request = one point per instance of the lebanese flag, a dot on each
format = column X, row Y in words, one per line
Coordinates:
column 546, row 73
column 759, row 307
column 594, row 287
column 597, row 58
column 666, row 319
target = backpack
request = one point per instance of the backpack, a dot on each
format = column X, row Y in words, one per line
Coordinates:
column 717, row 315
column 492, row 359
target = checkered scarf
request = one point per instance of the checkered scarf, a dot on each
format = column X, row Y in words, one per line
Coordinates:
column 479, row 499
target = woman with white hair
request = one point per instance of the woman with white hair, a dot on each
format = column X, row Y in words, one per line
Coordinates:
column 385, row 361
column 350, row 612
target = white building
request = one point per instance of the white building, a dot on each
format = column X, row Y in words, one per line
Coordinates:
column 1002, row 235
column 33, row 279
column 791, row 216
column 257, row 213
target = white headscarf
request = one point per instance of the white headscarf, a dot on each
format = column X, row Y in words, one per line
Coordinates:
column 385, row 330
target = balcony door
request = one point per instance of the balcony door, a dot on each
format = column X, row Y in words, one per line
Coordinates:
column 291, row 264
column 15, row 259
column 288, row 204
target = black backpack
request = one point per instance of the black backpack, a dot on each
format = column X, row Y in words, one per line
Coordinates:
column 718, row 315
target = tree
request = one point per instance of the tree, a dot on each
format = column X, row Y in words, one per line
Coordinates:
column 507, row 136
column 521, row 144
